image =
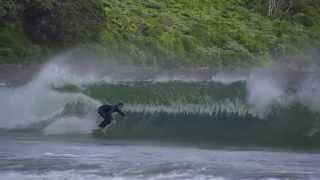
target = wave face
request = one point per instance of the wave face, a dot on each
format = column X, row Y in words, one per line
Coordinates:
column 201, row 111
column 180, row 105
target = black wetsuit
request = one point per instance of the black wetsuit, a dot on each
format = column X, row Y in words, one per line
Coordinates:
column 106, row 111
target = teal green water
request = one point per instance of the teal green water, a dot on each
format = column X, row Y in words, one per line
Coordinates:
column 161, row 93
column 199, row 112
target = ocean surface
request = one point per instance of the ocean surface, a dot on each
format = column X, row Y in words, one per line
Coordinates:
column 34, row 157
column 179, row 124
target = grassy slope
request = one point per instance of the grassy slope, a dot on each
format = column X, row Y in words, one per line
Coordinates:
column 182, row 32
column 201, row 32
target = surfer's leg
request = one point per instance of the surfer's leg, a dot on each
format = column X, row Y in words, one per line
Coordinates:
column 104, row 130
column 105, row 122
column 99, row 119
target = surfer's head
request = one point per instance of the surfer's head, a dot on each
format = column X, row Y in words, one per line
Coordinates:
column 120, row 104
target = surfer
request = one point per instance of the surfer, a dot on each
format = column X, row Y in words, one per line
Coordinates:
column 105, row 111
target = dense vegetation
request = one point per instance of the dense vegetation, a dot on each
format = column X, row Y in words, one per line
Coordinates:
column 35, row 27
column 167, row 32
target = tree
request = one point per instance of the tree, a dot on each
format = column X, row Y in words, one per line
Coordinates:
column 280, row 8
column 8, row 10
column 63, row 22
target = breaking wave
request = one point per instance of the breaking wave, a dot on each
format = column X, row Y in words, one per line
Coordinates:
column 262, row 107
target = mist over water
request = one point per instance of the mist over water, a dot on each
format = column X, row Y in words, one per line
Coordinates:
column 36, row 101
column 283, row 84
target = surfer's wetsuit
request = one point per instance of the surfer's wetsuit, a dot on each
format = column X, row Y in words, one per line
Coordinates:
column 106, row 111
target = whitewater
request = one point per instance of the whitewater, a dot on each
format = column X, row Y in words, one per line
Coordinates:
column 180, row 124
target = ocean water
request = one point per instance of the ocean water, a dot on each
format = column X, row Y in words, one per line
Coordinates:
column 33, row 157
column 47, row 125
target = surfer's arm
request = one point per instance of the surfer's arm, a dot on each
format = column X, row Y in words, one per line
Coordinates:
column 120, row 112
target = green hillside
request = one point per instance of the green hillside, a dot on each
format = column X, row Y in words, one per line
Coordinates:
column 216, row 33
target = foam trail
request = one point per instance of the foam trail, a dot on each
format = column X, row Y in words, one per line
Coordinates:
column 70, row 125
